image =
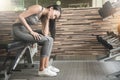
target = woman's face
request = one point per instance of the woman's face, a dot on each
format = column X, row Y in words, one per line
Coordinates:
column 54, row 14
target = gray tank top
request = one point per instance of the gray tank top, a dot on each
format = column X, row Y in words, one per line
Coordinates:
column 33, row 19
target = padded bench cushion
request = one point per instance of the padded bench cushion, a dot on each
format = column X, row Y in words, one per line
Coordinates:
column 10, row 45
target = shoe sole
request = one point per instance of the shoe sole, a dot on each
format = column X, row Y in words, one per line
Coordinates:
column 46, row 75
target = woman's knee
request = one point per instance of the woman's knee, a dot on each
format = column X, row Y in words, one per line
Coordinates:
column 50, row 39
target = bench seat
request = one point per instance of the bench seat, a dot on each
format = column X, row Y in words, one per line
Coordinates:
column 11, row 45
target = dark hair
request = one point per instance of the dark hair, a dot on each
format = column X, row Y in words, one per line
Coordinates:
column 56, row 7
column 52, row 28
column 52, row 25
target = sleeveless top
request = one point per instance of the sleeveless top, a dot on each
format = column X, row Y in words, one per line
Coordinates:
column 33, row 19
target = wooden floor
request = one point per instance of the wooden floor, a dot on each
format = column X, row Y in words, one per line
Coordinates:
column 72, row 70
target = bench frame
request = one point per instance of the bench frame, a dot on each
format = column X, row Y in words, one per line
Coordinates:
column 29, row 50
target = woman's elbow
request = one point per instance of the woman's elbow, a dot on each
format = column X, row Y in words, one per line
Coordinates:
column 45, row 34
column 20, row 17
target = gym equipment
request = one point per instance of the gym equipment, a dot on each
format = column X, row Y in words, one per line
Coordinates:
column 106, row 10
column 112, row 43
column 22, row 49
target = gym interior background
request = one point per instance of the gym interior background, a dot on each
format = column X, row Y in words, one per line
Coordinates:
column 87, row 39
column 22, row 4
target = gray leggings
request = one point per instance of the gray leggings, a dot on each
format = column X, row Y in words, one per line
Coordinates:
column 21, row 33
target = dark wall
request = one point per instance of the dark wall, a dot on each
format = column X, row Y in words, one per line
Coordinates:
column 41, row 2
column 64, row 3
column 29, row 3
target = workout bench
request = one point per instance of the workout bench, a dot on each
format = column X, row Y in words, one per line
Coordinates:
column 21, row 49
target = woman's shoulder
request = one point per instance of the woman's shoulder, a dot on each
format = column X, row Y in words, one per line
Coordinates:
column 35, row 6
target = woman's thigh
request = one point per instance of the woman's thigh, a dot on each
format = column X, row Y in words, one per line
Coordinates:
column 21, row 33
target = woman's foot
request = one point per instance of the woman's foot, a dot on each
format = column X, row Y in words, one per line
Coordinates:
column 52, row 68
column 47, row 72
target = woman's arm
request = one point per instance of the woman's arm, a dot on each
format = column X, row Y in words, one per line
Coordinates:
column 45, row 27
column 31, row 10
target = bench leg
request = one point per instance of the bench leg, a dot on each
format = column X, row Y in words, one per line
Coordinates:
column 20, row 53
column 17, row 59
column 30, row 52
column 5, row 61
column 28, row 56
column 26, row 51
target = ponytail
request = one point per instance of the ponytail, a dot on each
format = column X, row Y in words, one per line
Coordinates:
column 52, row 28
column 52, row 24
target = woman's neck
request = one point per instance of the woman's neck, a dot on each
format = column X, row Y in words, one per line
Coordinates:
column 45, row 11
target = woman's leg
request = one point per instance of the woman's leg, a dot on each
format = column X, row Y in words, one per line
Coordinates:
column 46, row 42
column 45, row 54
column 46, row 51
column 43, row 63
column 46, row 62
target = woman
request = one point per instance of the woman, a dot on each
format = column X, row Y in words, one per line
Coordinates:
column 23, row 31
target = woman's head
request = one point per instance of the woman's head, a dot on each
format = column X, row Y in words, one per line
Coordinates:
column 54, row 11
column 53, row 14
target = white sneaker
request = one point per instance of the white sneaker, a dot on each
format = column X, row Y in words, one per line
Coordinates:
column 47, row 72
column 54, row 69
